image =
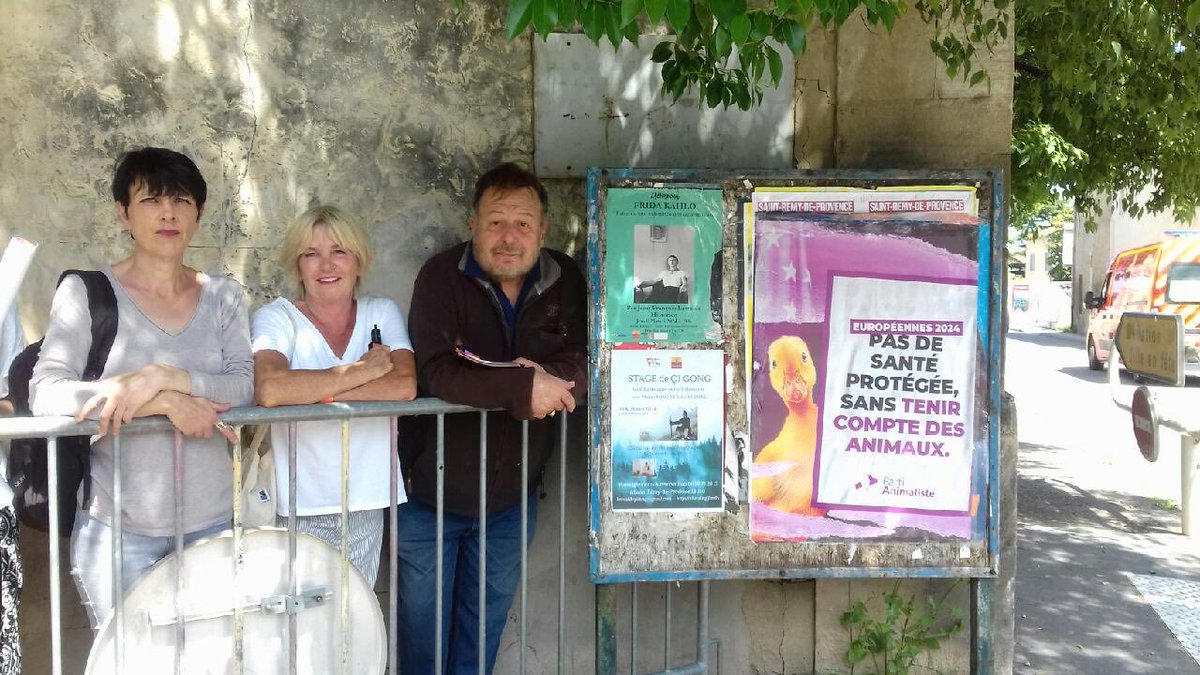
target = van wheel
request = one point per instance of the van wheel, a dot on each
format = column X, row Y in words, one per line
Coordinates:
column 1094, row 362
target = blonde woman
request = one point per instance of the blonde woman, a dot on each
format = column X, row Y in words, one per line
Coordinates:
column 318, row 346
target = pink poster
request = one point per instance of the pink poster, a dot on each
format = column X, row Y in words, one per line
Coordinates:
column 865, row 378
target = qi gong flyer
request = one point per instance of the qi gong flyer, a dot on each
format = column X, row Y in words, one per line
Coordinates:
column 668, row 429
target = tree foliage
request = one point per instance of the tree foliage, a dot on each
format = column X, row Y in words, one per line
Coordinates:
column 1106, row 99
column 1107, row 102
column 728, row 49
column 1045, row 221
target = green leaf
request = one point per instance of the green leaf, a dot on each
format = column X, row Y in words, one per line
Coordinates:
column 655, row 10
column 888, row 15
column 612, row 25
column 855, row 615
column 721, row 42
column 662, row 51
column 760, row 26
column 679, row 12
column 712, row 94
column 632, row 32
column 567, row 11
column 801, row 10
column 593, row 18
column 977, row 77
column 755, row 62
column 545, row 16
column 670, row 70
column 1193, row 15
column 796, row 37
column 630, row 10
column 856, row 654
column 1153, row 21
column 776, row 65
column 519, row 14
column 726, row 10
column 739, row 29
column 679, row 86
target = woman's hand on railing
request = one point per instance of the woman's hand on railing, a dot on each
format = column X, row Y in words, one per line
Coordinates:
column 120, row 398
column 193, row 416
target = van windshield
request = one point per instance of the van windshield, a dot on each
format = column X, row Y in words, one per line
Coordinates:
column 1183, row 283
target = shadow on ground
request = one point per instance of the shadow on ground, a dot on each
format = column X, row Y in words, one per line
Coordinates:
column 1055, row 503
column 1077, row 611
column 1088, row 375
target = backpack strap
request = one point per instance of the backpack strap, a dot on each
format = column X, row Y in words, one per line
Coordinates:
column 19, row 373
column 102, row 305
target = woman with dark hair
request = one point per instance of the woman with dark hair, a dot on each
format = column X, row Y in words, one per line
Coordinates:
column 182, row 349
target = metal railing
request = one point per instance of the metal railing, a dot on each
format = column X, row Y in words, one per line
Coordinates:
column 296, row 598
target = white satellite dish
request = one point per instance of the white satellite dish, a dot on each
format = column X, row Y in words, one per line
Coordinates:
column 209, row 598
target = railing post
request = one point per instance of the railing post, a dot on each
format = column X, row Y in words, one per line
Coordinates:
column 606, row 630
column 56, row 643
column 1189, row 475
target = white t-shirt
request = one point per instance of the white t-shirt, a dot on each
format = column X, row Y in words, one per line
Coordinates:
column 676, row 279
column 12, row 341
column 281, row 327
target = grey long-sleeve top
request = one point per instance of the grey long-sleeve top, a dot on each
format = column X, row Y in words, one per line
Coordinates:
column 214, row 347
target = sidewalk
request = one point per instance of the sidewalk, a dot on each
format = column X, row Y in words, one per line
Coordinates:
column 1103, row 572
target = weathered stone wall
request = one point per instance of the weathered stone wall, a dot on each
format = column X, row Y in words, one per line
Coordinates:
column 389, row 109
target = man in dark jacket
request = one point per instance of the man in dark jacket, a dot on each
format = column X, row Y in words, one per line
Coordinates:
column 496, row 322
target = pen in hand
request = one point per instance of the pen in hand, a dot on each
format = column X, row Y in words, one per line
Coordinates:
column 376, row 339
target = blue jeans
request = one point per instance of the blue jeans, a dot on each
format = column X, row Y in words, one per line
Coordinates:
column 416, row 568
column 92, row 560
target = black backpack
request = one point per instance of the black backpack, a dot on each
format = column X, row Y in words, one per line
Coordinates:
column 28, row 466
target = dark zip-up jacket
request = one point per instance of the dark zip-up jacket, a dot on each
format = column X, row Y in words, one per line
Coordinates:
column 452, row 308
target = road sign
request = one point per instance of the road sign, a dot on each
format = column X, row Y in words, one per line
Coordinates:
column 1145, row 423
column 1151, row 345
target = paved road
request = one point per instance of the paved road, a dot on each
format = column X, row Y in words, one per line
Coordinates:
column 1102, row 568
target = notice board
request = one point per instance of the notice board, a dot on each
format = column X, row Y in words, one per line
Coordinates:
column 797, row 373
